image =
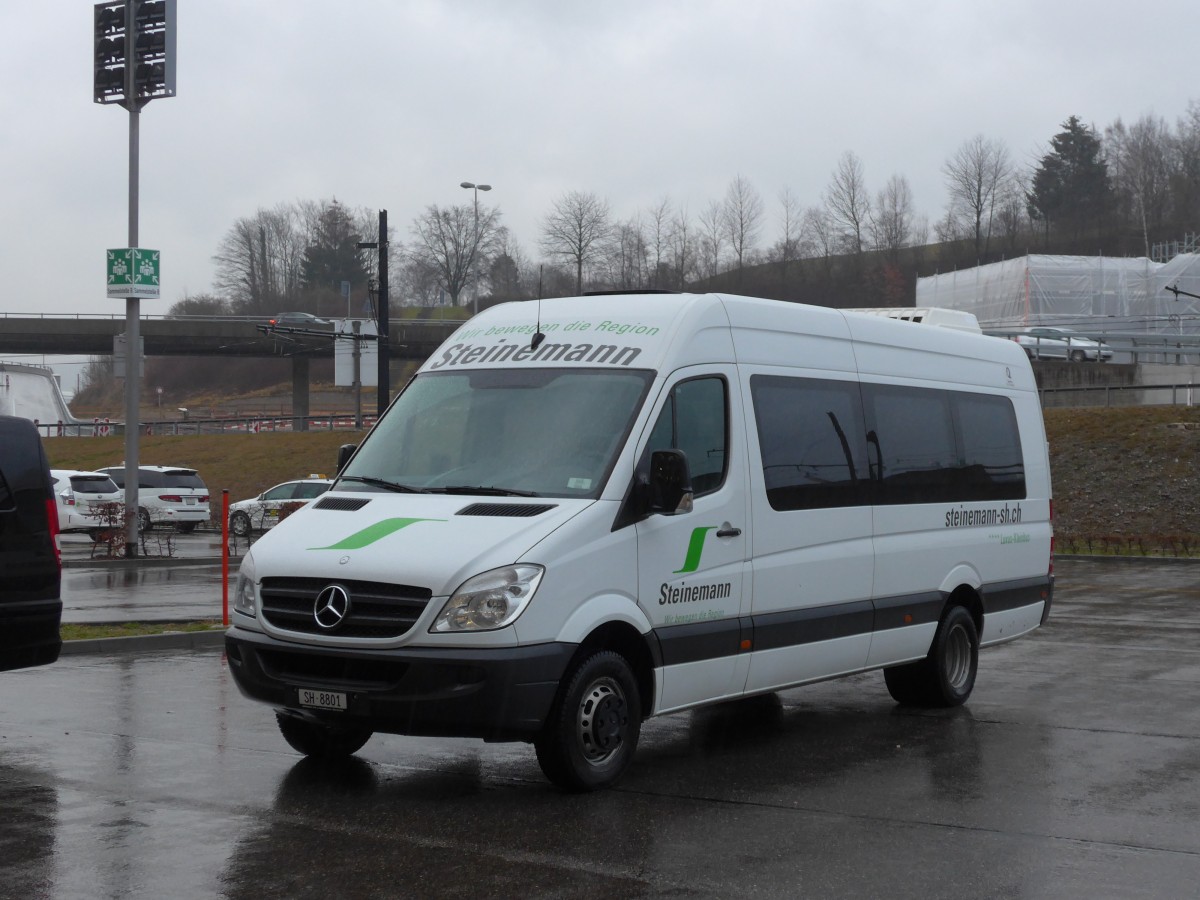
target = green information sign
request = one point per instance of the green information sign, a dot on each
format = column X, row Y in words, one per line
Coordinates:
column 133, row 272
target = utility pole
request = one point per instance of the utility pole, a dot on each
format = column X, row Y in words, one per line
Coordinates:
column 381, row 314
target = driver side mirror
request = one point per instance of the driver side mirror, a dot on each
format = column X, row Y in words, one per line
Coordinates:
column 344, row 453
column 670, row 483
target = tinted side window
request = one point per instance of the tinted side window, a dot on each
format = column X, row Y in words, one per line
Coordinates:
column 993, row 467
column 810, row 435
column 931, row 446
column 282, row 492
column 913, row 437
column 694, row 419
column 309, row 490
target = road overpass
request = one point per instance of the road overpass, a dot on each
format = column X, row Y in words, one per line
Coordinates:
column 228, row 336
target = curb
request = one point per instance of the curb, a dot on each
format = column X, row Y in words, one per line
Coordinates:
column 1168, row 560
column 171, row 640
column 151, row 561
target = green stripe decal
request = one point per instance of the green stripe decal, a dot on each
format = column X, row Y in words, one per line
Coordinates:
column 373, row 533
column 695, row 549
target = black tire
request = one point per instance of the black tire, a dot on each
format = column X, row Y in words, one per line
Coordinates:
column 946, row 676
column 144, row 523
column 592, row 731
column 239, row 524
column 97, row 535
column 320, row 741
column 1078, row 356
column 185, row 527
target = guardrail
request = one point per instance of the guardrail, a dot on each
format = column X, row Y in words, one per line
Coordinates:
column 231, row 425
column 1124, row 394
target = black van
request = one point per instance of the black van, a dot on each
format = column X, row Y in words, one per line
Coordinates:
column 30, row 565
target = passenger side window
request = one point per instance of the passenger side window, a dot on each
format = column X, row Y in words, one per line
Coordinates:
column 695, row 420
column 810, row 436
column 913, row 437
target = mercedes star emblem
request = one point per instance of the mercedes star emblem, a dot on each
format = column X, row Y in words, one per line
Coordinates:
column 332, row 606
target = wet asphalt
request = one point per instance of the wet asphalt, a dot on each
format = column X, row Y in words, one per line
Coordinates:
column 1073, row 771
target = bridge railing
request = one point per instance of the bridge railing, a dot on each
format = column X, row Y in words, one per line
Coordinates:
column 229, row 425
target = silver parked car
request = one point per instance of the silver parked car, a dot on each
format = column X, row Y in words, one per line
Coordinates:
column 1044, row 342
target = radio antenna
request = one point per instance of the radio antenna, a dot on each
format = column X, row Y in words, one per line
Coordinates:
column 538, row 337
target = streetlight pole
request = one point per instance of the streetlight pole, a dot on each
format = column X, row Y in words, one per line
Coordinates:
column 475, row 249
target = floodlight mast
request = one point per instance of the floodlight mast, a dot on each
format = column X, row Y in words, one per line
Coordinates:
column 132, row 68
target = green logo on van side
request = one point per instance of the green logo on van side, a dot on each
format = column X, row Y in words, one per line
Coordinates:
column 373, row 533
column 695, row 550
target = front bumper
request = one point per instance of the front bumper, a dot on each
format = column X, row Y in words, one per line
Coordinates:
column 497, row 694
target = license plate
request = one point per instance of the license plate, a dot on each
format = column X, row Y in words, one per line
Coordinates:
column 189, row 501
column 322, row 699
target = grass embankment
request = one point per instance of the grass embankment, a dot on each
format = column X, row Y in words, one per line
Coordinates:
column 1126, row 480
column 71, row 632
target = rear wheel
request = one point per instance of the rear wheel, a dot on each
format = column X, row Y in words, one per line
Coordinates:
column 144, row 523
column 592, row 731
column 321, row 741
column 239, row 524
column 947, row 675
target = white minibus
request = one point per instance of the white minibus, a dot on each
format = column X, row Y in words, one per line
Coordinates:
column 588, row 511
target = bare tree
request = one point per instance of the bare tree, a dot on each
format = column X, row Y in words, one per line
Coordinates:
column 817, row 223
column 576, row 230
column 659, row 240
column 450, row 242
column 792, row 234
column 1140, row 164
column 682, row 243
column 847, row 201
column 891, row 226
column 742, row 214
column 627, row 256
column 976, row 176
column 712, row 238
column 1187, row 165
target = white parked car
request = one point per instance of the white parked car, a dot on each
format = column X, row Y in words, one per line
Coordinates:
column 80, row 496
column 167, row 495
column 263, row 512
column 1043, row 342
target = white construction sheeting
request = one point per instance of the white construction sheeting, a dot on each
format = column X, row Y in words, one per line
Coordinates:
column 32, row 392
column 1093, row 294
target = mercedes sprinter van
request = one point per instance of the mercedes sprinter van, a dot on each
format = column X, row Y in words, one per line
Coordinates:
column 584, row 513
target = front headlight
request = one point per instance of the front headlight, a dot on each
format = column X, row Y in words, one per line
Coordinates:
column 489, row 601
column 243, row 594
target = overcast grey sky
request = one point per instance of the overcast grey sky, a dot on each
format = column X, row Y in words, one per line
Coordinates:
column 391, row 103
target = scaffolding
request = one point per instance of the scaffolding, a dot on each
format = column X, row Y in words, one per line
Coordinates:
column 1093, row 294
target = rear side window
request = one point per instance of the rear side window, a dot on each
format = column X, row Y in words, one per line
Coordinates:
column 308, row 490
column 810, row 433
column 930, row 446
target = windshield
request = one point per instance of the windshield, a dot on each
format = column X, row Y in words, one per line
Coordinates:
column 539, row 432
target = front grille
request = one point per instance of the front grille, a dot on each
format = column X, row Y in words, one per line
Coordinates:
column 377, row 609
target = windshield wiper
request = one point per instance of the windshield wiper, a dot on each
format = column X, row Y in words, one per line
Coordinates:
column 384, row 483
column 486, row 491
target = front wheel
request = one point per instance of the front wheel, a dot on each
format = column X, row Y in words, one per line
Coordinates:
column 144, row 523
column 1078, row 356
column 947, row 675
column 321, row 741
column 592, row 731
column 239, row 524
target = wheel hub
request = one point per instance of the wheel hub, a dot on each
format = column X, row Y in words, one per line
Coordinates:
column 602, row 720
